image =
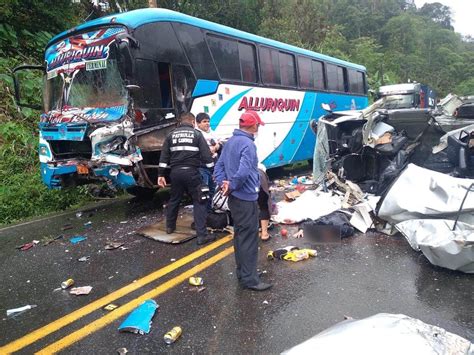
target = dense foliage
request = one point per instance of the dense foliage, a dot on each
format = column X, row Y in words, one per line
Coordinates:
column 394, row 41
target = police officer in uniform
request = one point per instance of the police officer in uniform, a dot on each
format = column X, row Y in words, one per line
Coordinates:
column 184, row 151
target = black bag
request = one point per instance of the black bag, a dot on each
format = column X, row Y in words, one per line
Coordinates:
column 216, row 220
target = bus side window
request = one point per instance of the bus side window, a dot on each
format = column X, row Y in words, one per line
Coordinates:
column 305, row 72
column 335, row 76
column 269, row 66
column 287, row 69
column 356, row 82
column 183, row 85
column 197, row 51
column 318, row 75
column 226, row 56
column 248, row 63
column 345, row 80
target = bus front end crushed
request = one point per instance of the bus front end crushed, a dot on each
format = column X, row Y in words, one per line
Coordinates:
column 78, row 153
column 86, row 132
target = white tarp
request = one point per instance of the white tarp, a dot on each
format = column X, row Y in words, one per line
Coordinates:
column 440, row 244
column 422, row 193
column 384, row 333
column 312, row 204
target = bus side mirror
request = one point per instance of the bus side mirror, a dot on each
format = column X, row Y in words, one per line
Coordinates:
column 27, row 81
column 125, row 59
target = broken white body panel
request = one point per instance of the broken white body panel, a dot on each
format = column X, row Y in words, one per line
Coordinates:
column 384, row 333
column 442, row 246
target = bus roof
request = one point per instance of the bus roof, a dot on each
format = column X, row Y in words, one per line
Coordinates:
column 136, row 18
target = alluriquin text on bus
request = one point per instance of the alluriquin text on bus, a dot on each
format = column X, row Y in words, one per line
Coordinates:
column 269, row 104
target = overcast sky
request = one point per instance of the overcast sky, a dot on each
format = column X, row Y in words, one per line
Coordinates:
column 462, row 14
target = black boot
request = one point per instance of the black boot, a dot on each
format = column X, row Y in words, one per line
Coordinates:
column 205, row 239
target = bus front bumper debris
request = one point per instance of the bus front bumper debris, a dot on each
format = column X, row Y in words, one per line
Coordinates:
column 59, row 176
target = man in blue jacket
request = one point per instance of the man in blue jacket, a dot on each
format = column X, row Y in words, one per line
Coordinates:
column 237, row 175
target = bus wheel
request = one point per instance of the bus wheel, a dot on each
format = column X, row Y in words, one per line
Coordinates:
column 142, row 193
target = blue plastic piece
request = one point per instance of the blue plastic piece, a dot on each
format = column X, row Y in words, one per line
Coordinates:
column 139, row 321
column 77, row 239
column 205, row 87
column 48, row 173
column 122, row 180
column 133, row 19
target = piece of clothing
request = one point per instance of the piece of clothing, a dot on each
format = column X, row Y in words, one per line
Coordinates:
column 337, row 219
column 245, row 218
column 184, row 147
column 187, row 180
column 238, row 164
column 264, row 196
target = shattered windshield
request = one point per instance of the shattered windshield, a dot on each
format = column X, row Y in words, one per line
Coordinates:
column 400, row 101
column 83, row 73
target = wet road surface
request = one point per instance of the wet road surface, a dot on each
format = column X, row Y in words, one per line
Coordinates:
column 362, row 276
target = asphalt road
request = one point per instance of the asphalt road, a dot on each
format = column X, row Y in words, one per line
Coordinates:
column 362, row 276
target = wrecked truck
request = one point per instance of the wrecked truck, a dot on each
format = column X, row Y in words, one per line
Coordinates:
column 372, row 146
column 408, row 95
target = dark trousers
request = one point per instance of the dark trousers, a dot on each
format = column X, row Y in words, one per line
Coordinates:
column 189, row 181
column 206, row 175
column 245, row 216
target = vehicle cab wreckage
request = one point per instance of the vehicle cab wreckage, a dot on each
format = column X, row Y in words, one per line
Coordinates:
column 371, row 146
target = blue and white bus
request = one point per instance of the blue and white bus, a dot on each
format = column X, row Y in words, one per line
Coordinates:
column 114, row 87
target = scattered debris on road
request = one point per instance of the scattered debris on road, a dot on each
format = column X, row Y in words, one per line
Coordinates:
column 139, row 321
column 66, row 284
column 77, row 239
column 66, row 227
column 110, row 307
column 27, row 246
column 291, row 253
column 196, row 281
column 173, row 335
column 20, row 309
column 83, row 290
column 113, row 245
column 50, row 239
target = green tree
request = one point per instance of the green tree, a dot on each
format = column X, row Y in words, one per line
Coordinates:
column 465, row 87
column 439, row 13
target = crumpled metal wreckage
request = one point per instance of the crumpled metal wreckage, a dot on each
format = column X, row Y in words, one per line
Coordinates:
column 384, row 333
column 434, row 212
column 371, row 147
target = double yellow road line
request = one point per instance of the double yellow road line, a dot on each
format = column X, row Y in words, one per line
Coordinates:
column 122, row 310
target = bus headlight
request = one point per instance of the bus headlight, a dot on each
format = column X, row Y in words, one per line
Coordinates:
column 43, row 150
